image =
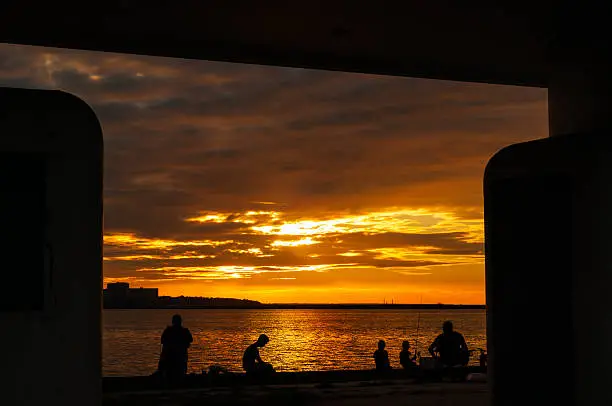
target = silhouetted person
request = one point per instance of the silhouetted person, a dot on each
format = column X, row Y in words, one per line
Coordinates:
column 381, row 357
column 451, row 347
column 406, row 359
column 175, row 341
column 251, row 361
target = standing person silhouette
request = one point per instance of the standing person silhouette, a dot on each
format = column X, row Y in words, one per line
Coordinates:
column 175, row 341
column 450, row 347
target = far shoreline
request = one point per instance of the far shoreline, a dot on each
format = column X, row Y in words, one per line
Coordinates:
column 311, row 306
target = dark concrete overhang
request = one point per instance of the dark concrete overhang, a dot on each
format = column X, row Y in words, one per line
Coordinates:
column 456, row 40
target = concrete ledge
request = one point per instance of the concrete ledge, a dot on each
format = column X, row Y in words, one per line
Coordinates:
column 346, row 394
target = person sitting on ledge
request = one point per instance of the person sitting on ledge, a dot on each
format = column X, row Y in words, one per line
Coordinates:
column 406, row 360
column 175, row 341
column 450, row 347
column 381, row 357
column 251, row 361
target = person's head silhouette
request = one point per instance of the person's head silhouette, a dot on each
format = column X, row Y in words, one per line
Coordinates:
column 381, row 345
column 262, row 340
column 447, row 327
column 177, row 320
column 405, row 345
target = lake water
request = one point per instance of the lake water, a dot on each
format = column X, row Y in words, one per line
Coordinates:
column 300, row 340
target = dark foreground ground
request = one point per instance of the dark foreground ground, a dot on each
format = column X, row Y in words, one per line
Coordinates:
column 376, row 392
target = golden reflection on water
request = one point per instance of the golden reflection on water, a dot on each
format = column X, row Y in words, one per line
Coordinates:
column 300, row 340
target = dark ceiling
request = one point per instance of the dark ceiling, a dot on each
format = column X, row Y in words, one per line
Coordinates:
column 456, row 40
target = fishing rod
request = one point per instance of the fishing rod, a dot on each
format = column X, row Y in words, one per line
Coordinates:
column 416, row 345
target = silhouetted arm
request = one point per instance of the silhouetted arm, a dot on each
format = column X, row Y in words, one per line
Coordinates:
column 434, row 346
column 189, row 337
column 464, row 345
column 164, row 337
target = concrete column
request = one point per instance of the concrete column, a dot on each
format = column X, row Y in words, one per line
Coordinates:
column 548, row 221
column 580, row 105
column 580, row 94
column 51, row 217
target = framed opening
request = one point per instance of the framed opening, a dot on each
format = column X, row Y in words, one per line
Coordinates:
column 278, row 186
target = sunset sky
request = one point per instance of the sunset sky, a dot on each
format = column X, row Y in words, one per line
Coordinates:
column 289, row 185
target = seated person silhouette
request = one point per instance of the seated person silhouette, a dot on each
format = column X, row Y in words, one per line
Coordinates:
column 406, row 359
column 175, row 341
column 381, row 357
column 251, row 361
column 450, row 347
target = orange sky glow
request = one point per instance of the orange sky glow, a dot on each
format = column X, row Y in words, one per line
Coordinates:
column 289, row 185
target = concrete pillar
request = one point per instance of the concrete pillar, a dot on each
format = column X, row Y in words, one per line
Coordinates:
column 51, row 250
column 548, row 222
column 580, row 105
column 579, row 93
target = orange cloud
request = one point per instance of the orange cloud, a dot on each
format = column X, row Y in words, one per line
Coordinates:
column 289, row 184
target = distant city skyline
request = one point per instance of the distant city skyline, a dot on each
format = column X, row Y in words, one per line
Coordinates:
column 289, row 185
column 154, row 291
column 121, row 295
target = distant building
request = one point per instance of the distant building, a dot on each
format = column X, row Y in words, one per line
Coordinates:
column 118, row 286
column 144, row 296
column 120, row 295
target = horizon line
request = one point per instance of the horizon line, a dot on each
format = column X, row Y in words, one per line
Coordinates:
column 332, row 303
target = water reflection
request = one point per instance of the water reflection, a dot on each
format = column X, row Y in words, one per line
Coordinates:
column 300, row 340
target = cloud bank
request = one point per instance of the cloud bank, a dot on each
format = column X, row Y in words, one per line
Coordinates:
column 286, row 184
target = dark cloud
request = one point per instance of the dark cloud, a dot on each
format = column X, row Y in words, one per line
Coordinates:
column 443, row 241
column 182, row 137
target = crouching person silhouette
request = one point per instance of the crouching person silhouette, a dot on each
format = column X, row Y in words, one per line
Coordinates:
column 252, row 362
